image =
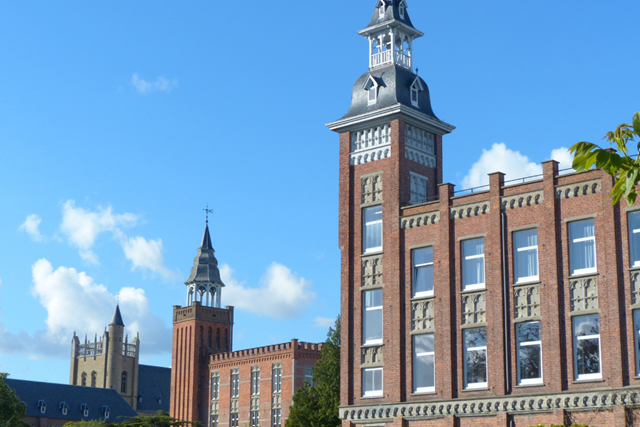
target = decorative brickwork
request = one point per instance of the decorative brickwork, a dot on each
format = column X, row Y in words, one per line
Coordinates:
column 523, row 200
column 372, row 271
column 581, row 188
column 635, row 288
column 422, row 315
column 584, row 293
column 526, row 301
column 474, row 308
column 372, row 356
column 470, row 210
column 420, row 219
column 371, row 144
column 372, row 189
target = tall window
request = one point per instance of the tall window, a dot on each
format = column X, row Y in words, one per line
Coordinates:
column 235, row 385
column 525, row 256
column 475, row 358
column 422, row 272
column 634, row 238
column 372, row 382
column 233, row 420
column 636, row 328
column 582, row 247
column 218, row 339
column 214, row 420
column 473, row 264
column 123, row 386
column 586, row 344
column 255, row 383
column 423, row 363
column 372, row 322
column 381, row 10
column 401, row 10
column 308, row 375
column 276, row 418
column 255, row 418
column 529, row 353
column 94, row 378
column 276, row 380
column 372, row 225
column 209, row 341
column 414, row 95
column 84, row 379
column 226, row 340
column 215, row 388
column 373, row 94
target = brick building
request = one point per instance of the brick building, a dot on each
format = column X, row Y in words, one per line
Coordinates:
column 512, row 305
column 212, row 383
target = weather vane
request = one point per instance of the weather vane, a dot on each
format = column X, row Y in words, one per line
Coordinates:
column 208, row 211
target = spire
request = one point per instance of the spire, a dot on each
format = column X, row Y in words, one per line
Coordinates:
column 205, row 264
column 117, row 318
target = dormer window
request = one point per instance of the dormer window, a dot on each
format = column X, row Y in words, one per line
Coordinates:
column 105, row 412
column 85, row 410
column 42, row 406
column 401, row 9
column 416, row 88
column 371, row 86
column 63, row 408
column 382, row 9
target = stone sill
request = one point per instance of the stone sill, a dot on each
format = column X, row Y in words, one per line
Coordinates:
column 467, row 390
column 530, row 385
column 596, row 380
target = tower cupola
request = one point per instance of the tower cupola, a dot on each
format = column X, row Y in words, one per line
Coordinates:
column 204, row 283
column 391, row 35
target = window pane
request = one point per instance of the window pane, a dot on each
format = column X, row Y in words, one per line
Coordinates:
column 423, row 281
column 472, row 268
column 526, row 261
column 423, row 343
column 475, row 337
column 636, row 328
column 581, row 229
column 586, row 325
column 372, row 325
column 476, row 366
column 634, row 238
column 373, row 214
column 424, row 374
column 588, row 355
column 373, row 236
column 422, row 256
column 529, row 331
column 373, row 298
column 530, row 362
column 372, row 379
column 582, row 253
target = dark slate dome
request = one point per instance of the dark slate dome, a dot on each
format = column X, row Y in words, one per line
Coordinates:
column 394, row 88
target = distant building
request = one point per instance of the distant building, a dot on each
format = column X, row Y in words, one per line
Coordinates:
column 212, row 383
column 57, row 404
column 112, row 363
column 514, row 305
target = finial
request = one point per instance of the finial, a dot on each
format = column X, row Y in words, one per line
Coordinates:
column 208, row 211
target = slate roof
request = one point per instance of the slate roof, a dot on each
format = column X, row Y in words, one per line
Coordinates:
column 31, row 392
column 391, row 15
column 205, row 264
column 395, row 83
column 117, row 318
column 154, row 388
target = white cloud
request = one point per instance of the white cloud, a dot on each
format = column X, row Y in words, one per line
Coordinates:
column 512, row 163
column 145, row 87
column 324, row 322
column 30, row 225
column 499, row 159
column 82, row 227
column 282, row 293
column 563, row 157
column 146, row 254
column 74, row 302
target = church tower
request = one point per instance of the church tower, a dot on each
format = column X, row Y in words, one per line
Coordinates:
column 390, row 161
column 200, row 329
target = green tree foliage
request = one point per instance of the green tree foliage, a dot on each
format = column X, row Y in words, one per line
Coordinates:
column 318, row 406
column 91, row 423
column 160, row 419
column 12, row 410
column 623, row 165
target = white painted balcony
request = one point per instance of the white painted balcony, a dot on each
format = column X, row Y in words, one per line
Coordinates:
column 388, row 57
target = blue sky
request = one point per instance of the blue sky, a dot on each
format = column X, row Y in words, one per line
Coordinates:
column 120, row 121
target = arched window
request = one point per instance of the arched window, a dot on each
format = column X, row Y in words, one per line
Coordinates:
column 123, row 387
column 382, row 10
column 94, row 378
column 401, row 9
column 226, row 340
column 209, row 342
column 218, row 339
column 84, row 379
column 201, row 336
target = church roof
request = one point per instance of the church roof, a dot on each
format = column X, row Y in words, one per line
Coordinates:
column 117, row 318
column 205, row 264
column 395, row 88
column 154, row 388
column 391, row 16
column 73, row 397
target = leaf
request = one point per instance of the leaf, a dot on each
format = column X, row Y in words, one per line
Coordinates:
column 636, row 122
column 631, row 198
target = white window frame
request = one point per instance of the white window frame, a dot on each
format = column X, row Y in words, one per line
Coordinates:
column 580, row 271
column 234, row 419
column 254, row 418
column 633, row 233
column 308, row 375
column 364, row 229
column 364, row 318
column 538, row 343
column 415, row 273
column 372, row 393
column 215, row 388
column 414, row 89
column 401, row 9
column 636, row 341
column 276, row 417
column 276, row 379
column 235, row 385
column 372, row 95
column 580, row 377
column 382, row 10
column 423, row 354
column 524, row 249
column 470, row 257
column 255, row 383
column 467, row 384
